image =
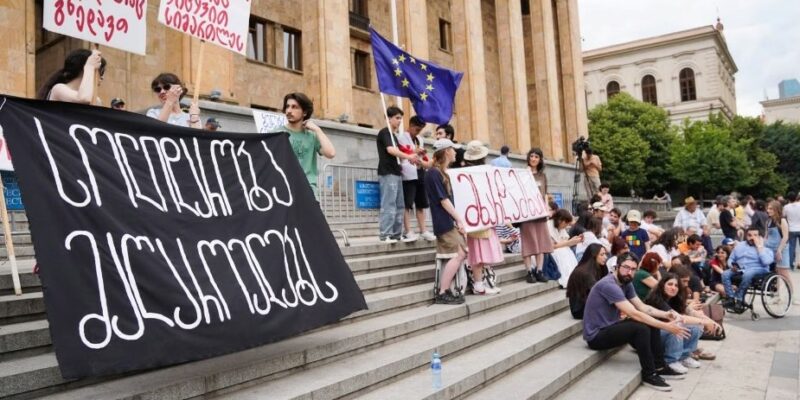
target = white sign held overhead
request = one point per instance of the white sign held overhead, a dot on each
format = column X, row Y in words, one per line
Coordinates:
column 221, row 22
column 267, row 121
column 121, row 24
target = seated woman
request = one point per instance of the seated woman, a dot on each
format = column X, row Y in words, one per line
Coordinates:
column 718, row 265
column 618, row 247
column 682, row 266
column 562, row 254
column 592, row 235
column 590, row 269
column 509, row 238
column 647, row 277
column 667, row 246
column 670, row 295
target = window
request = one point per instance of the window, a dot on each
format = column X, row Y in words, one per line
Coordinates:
column 291, row 50
column 526, row 7
column 359, row 7
column 445, row 36
column 361, row 75
column 688, row 88
column 649, row 90
column 261, row 42
column 612, row 88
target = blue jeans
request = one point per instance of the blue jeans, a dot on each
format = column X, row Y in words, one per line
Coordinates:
column 747, row 277
column 390, row 221
column 677, row 349
column 793, row 238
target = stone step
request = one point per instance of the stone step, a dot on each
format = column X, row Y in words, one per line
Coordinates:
column 23, row 336
column 364, row 370
column 39, row 375
column 614, row 379
column 25, row 305
column 28, row 281
column 375, row 247
column 372, row 263
column 22, row 252
column 23, row 238
column 545, row 376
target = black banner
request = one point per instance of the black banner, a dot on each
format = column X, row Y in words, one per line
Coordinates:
column 161, row 244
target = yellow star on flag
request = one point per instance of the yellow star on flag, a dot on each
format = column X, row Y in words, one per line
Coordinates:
column 429, row 88
column 423, row 67
column 398, row 72
column 402, row 58
column 430, row 77
column 423, row 96
column 405, row 82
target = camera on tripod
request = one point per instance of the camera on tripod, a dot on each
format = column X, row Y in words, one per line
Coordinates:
column 581, row 145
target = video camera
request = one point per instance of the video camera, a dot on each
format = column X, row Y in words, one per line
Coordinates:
column 581, row 145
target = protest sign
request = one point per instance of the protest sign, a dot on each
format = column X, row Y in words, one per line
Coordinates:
column 121, row 24
column 161, row 244
column 267, row 121
column 487, row 196
column 222, row 22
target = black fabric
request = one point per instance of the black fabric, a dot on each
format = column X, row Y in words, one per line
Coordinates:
column 161, row 244
column 387, row 163
column 725, row 219
column 645, row 339
column 759, row 221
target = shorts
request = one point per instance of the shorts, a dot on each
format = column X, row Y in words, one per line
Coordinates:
column 447, row 244
column 414, row 195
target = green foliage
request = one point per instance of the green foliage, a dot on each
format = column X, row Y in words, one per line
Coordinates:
column 783, row 140
column 764, row 181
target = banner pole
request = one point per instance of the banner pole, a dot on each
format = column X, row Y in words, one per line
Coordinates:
column 397, row 99
column 199, row 79
column 96, row 83
column 9, row 242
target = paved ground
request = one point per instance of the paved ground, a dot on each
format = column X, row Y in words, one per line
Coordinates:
column 759, row 360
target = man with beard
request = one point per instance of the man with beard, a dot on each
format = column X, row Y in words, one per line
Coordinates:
column 306, row 138
column 603, row 329
column 748, row 260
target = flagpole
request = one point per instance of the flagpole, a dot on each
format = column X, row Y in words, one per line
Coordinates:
column 397, row 99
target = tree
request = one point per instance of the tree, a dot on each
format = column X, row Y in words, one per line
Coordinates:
column 708, row 160
column 765, row 181
column 783, row 140
column 612, row 128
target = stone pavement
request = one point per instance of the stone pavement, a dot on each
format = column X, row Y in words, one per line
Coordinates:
column 758, row 360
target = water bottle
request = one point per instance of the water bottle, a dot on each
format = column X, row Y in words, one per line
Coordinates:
column 436, row 371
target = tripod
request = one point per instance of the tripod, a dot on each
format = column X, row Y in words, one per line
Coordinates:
column 576, row 180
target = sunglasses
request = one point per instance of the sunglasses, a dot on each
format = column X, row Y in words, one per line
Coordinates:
column 158, row 89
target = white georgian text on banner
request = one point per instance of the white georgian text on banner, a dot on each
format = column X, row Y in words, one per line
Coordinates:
column 118, row 24
column 222, row 22
column 488, row 196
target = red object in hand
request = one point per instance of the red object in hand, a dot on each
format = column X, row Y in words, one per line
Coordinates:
column 406, row 148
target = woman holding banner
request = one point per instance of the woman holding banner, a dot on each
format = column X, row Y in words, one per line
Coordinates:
column 169, row 89
column 74, row 83
column 534, row 234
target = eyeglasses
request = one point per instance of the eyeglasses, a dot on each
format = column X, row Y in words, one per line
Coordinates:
column 627, row 268
column 158, row 89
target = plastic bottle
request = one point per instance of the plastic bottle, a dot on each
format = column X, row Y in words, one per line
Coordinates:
column 436, row 371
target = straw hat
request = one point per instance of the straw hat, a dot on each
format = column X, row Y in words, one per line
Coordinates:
column 475, row 151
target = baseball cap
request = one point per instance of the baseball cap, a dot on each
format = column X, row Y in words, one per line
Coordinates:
column 728, row 241
column 634, row 216
column 214, row 122
column 598, row 205
column 441, row 144
column 117, row 102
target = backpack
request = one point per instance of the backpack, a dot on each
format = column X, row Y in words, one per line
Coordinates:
column 717, row 313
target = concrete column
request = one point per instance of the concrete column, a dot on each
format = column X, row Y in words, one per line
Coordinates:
column 471, row 104
column 573, row 87
column 17, row 68
column 545, row 68
column 414, row 21
column 333, row 71
column 511, row 50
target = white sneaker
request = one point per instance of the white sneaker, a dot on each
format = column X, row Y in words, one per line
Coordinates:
column 388, row 240
column 678, row 367
column 428, row 236
column 491, row 290
column 410, row 237
column 479, row 289
column 690, row 362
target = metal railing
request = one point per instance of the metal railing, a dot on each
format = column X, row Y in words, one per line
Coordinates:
column 349, row 194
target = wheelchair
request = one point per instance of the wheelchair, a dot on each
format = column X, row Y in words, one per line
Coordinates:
column 774, row 291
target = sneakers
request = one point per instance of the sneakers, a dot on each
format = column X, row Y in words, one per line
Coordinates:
column 540, row 276
column 388, row 240
column 656, row 382
column 677, row 367
column 530, row 277
column 669, row 373
column 690, row 362
column 428, row 236
column 448, row 298
column 410, row 237
column 481, row 289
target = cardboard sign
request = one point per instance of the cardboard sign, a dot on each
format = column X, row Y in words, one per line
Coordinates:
column 267, row 121
column 5, row 154
column 487, row 196
column 121, row 24
column 222, row 22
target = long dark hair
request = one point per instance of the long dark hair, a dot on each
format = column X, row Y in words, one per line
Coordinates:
column 657, row 296
column 669, row 239
column 73, row 68
column 538, row 152
column 586, row 274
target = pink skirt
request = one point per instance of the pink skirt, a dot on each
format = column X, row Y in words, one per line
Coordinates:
column 535, row 238
column 485, row 251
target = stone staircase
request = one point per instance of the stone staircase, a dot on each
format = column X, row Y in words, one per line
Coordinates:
column 521, row 343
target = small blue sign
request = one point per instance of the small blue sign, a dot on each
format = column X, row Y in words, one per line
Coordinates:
column 368, row 195
column 11, row 191
column 558, row 198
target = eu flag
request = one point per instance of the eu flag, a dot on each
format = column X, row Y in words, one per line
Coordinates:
column 430, row 87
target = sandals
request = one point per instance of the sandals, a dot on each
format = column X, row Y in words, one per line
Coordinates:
column 701, row 354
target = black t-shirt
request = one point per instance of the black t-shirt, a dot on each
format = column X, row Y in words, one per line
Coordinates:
column 387, row 163
column 459, row 162
column 437, row 191
column 725, row 219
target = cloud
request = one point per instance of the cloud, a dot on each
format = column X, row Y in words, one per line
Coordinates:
column 761, row 35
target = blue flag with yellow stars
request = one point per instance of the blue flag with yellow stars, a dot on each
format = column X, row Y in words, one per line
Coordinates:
column 431, row 88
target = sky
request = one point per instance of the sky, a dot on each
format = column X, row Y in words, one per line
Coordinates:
column 763, row 36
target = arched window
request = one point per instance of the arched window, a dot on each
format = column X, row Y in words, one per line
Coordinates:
column 649, row 90
column 611, row 89
column 688, row 87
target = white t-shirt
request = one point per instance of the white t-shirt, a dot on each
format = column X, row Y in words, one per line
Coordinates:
column 408, row 170
column 666, row 256
column 181, row 119
column 792, row 214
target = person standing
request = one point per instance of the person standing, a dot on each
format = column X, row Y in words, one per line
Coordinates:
column 169, row 89
column 307, row 139
column 534, row 234
column 502, row 161
column 414, row 180
column 74, row 83
column 446, row 131
column 591, row 168
column 390, row 178
column 777, row 240
column 213, row 125
column 792, row 214
column 118, row 104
